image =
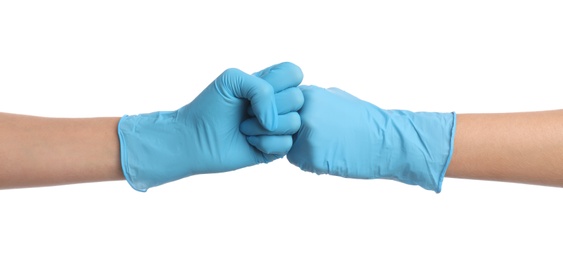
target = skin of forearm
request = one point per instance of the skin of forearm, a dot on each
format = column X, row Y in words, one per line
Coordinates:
column 521, row 147
column 40, row 151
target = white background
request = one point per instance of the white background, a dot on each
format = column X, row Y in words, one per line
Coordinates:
column 110, row 58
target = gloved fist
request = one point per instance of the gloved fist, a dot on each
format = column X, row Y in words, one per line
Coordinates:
column 288, row 100
column 204, row 136
column 345, row 136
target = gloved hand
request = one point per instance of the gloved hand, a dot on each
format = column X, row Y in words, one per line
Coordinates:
column 345, row 136
column 204, row 136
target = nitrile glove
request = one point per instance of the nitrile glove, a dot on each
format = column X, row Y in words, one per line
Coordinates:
column 345, row 136
column 204, row 136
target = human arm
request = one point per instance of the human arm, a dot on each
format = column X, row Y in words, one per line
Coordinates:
column 159, row 147
column 42, row 151
column 521, row 147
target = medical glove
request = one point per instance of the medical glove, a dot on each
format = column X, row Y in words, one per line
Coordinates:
column 204, row 137
column 345, row 136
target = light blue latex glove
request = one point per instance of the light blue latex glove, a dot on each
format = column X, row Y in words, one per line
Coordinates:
column 204, row 136
column 345, row 136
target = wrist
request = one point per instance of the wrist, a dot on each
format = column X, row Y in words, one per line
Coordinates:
column 423, row 146
column 151, row 151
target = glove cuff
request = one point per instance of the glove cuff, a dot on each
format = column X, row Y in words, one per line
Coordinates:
column 149, row 156
column 425, row 141
column 438, row 187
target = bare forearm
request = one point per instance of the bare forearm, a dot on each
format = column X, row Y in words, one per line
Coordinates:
column 39, row 151
column 513, row 147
